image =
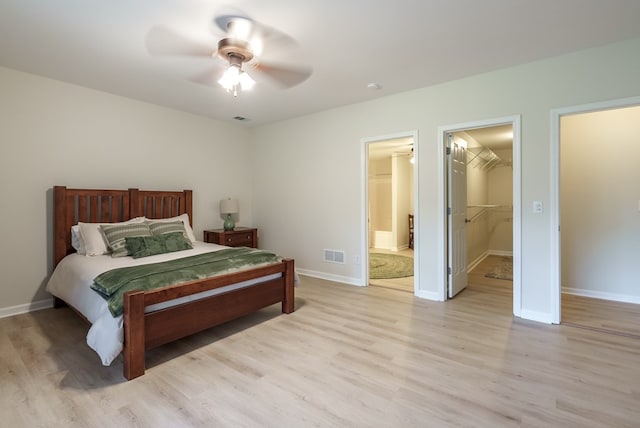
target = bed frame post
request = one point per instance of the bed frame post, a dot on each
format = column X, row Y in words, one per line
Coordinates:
column 134, row 334
column 59, row 230
column 289, row 276
column 188, row 199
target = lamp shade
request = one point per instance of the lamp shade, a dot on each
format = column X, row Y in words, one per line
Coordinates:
column 228, row 206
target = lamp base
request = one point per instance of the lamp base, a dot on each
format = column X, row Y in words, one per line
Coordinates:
column 229, row 223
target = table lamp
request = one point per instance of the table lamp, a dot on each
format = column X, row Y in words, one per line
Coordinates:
column 229, row 206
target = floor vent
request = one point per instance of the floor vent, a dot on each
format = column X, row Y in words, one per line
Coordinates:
column 334, row 256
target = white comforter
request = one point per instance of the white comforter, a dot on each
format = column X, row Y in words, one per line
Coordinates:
column 74, row 275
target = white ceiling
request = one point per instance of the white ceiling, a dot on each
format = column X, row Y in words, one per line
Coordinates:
column 400, row 45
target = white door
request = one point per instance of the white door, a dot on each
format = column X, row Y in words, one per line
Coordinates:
column 457, row 213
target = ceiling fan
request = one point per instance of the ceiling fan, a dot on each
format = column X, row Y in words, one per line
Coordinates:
column 240, row 48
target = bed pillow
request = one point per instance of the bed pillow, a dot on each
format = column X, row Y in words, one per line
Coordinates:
column 184, row 218
column 144, row 246
column 116, row 234
column 163, row 227
column 76, row 240
column 92, row 238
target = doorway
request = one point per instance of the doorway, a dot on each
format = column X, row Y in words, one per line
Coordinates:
column 594, row 182
column 479, row 219
column 389, row 195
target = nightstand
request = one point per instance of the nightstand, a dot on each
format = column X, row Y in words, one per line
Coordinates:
column 238, row 237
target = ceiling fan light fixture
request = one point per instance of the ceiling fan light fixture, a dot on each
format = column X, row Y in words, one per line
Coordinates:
column 230, row 78
column 234, row 77
column 246, row 82
column 236, row 52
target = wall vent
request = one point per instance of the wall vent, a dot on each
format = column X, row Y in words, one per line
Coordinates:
column 334, row 256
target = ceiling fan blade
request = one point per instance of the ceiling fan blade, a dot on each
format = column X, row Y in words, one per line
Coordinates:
column 284, row 76
column 209, row 77
column 162, row 40
column 245, row 28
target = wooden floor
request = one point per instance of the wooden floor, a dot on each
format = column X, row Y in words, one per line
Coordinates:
column 601, row 315
column 348, row 357
column 577, row 311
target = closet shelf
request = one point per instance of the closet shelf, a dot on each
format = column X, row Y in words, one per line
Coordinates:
column 485, row 208
column 484, row 158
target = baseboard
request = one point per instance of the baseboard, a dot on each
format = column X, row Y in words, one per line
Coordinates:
column 500, row 253
column 536, row 316
column 27, row 307
column 471, row 266
column 429, row 295
column 330, row 277
column 602, row 295
column 400, row 248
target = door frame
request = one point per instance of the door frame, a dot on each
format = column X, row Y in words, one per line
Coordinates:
column 515, row 122
column 555, row 203
column 364, row 204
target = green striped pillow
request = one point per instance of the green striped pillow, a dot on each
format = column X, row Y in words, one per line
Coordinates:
column 164, row 227
column 116, row 234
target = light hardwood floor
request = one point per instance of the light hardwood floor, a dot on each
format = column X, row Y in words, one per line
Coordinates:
column 349, row 356
column 577, row 311
column 601, row 315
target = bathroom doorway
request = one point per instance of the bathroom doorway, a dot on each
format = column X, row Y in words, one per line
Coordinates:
column 390, row 206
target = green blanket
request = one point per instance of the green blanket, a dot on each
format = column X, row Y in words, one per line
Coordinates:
column 114, row 283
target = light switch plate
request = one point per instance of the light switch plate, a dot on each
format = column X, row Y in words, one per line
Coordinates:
column 537, row 207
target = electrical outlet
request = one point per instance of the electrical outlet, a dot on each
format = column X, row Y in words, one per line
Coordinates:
column 356, row 259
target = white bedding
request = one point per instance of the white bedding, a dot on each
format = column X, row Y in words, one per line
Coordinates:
column 74, row 275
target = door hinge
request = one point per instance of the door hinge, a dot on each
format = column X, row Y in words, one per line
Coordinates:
column 449, row 211
column 448, row 270
column 448, row 150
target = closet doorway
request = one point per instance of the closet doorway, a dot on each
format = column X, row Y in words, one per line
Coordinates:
column 481, row 198
column 390, row 206
column 597, row 189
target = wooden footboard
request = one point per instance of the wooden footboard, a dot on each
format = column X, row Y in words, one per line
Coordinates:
column 144, row 331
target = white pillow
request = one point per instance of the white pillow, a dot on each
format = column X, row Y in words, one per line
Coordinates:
column 76, row 240
column 184, row 218
column 93, row 239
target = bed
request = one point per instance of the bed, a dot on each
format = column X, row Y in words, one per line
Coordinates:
column 154, row 317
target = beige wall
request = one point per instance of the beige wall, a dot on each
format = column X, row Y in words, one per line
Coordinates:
column 306, row 166
column 402, row 194
column 600, row 203
column 52, row 133
column 380, row 202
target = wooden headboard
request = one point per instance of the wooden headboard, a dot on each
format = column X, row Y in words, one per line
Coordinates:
column 110, row 206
